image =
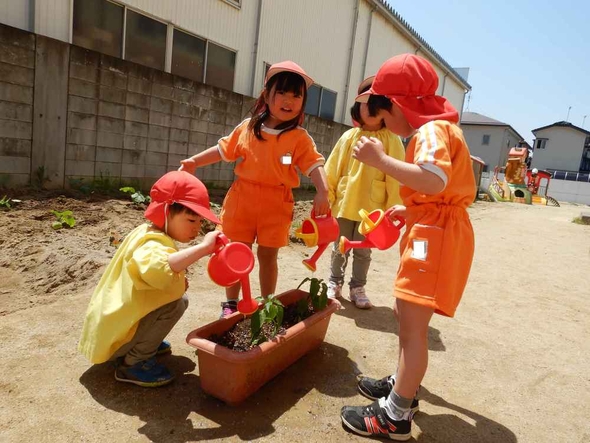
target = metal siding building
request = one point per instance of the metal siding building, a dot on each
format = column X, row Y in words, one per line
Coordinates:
column 338, row 42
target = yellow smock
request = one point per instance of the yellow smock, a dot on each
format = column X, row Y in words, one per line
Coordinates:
column 137, row 281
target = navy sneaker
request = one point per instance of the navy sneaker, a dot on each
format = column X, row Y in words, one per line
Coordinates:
column 228, row 308
column 372, row 421
column 375, row 389
column 147, row 373
column 164, row 347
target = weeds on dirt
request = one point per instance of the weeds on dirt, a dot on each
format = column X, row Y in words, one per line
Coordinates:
column 65, row 219
column 136, row 196
column 581, row 220
column 7, row 202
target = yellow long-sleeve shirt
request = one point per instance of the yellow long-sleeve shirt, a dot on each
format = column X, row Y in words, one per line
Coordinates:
column 352, row 185
column 137, row 281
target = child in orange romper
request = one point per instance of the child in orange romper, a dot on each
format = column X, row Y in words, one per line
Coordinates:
column 273, row 147
column 437, row 247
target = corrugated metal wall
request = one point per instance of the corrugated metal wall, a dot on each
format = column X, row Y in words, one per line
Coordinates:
column 315, row 34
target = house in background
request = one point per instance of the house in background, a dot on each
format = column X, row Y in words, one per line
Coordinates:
column 562, row 146
column 489, row 139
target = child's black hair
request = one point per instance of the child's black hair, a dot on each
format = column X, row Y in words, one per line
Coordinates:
column 285, row 82
column 177, row 208
column 375, row 103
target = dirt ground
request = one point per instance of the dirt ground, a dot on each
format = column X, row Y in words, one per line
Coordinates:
column 512, row 366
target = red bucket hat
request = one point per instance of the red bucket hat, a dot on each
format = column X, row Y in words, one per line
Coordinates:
column 411, row 82
column 178, row 187
column 288, row 66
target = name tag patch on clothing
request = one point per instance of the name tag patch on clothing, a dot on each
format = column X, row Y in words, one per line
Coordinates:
column 420, row 249
column 287, row 159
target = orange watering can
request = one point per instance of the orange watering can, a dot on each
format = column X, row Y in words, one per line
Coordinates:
column 379, row 231
column 320, row 232
column 232, row 263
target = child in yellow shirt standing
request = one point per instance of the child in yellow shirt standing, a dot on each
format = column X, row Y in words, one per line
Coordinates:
column 352, row 186
column 273, row 149
column 140, row 296
column 438, row 244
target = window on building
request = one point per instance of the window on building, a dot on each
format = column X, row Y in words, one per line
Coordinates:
column 221, row 64
column 486, row 139
column 236, row 3
column 312, row 106
column 98, row 25
column 145, row 40
column 188, row 56
column 327, row 104
column 540, row 143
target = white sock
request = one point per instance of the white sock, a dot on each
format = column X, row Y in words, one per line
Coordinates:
column 396, row 407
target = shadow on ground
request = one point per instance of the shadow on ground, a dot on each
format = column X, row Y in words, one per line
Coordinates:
column 166, row 410
column 381, row 318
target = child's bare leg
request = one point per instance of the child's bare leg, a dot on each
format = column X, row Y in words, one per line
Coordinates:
column 268, row 269
column 413, row 344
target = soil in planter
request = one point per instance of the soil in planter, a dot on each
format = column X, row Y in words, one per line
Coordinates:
column 239, row 337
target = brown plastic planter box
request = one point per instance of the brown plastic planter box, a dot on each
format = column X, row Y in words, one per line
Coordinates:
column 233, row 376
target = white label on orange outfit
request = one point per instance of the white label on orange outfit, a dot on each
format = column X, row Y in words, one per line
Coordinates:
column 420, row 249
column 287, row 159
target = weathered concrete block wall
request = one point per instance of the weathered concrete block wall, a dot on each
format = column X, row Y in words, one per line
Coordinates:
column 17, row 77
column 126, row 123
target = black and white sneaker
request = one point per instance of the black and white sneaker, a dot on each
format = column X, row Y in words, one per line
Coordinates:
column 372, row 421
column 375, row 389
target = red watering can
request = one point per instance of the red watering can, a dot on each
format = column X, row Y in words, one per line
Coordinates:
column 320, row 232
column 379, row 231
column 232, row 263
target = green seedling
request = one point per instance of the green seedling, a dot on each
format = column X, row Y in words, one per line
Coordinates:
column 271, row 312
column 136, row 196
column 8, row 203
column 318, row 294
column 65, row 219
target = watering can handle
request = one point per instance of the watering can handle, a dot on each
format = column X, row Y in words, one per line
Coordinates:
column 401, row 221
column 220, row 242
column 302, row 235
column 366, row 219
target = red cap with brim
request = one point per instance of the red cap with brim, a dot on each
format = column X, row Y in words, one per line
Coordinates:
column 178, row 187
column 410, row 82
column 288, row 66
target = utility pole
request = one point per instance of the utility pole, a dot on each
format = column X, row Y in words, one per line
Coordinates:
column 568, row 114
column 583, row 121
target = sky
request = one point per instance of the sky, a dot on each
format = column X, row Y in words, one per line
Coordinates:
column 528, row 60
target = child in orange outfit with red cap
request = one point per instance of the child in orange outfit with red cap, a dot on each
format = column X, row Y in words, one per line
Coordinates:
column 272, row 147
column 438, row 244
column 140, row 296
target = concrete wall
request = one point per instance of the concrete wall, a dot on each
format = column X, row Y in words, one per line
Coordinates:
column 17, row 79
column 563, row 149
column 108, row 119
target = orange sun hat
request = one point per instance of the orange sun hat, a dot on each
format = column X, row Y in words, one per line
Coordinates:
column 411, row 82
column 288, row 66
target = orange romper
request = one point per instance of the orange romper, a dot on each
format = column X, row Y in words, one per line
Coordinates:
column 259, row 204
column 437, row 247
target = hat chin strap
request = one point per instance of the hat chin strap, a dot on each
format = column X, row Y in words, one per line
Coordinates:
column 166, row 218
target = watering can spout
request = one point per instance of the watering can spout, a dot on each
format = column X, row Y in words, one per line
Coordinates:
column 345, row 244
column 310, row 263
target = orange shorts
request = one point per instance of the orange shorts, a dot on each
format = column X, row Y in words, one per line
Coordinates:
column 254, row 212
column 436, row 255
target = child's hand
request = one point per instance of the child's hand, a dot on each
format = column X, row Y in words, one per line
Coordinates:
column 369, row 151
column 188, row 165
column 209, row 241
column 397, row 210
column 321, row 204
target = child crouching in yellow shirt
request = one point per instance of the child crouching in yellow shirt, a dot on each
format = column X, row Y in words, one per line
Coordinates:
column 140, row 296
